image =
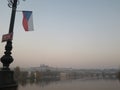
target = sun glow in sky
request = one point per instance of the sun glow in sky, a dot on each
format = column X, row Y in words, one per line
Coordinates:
column 67, row 33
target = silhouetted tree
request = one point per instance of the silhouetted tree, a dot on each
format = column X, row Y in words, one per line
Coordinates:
column 38, row 75
column 20, row 75
column 118, row 75
column 23, row 75
column 17, row 73
column 32, row 76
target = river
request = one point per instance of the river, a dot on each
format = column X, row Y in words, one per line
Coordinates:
column 72, row 85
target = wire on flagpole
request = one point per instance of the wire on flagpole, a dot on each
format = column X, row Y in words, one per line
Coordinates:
column 19, row 10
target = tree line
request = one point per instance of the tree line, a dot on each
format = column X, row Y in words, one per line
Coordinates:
column 48, row 75
column 34, row 76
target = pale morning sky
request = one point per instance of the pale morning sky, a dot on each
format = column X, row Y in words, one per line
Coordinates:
column 67, row 33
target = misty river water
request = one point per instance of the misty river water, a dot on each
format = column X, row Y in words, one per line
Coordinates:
column 73, row 85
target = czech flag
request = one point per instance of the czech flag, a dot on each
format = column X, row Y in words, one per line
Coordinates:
column 27, row 20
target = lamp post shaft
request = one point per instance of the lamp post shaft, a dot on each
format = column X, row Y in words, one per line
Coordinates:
column 14, row 6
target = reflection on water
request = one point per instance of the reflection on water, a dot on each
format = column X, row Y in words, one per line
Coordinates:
column 41, row 83
column 71, row 85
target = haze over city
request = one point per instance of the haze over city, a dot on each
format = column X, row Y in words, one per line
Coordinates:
column 67, row 33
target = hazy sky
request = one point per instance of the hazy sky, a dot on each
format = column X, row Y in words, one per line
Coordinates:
column 67, row 33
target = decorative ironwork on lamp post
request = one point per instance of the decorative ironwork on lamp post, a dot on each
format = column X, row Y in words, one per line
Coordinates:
column 7, row 59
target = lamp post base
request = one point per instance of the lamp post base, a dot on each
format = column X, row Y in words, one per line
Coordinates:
column 7, row 81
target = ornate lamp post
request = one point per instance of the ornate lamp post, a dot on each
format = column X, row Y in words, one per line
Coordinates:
column 7, row 58
column 6, row 75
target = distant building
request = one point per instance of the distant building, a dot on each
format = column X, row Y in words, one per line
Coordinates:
column 44, row 67
column 63, row 76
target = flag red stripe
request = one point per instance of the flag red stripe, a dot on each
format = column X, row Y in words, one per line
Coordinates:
column 25, row 23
